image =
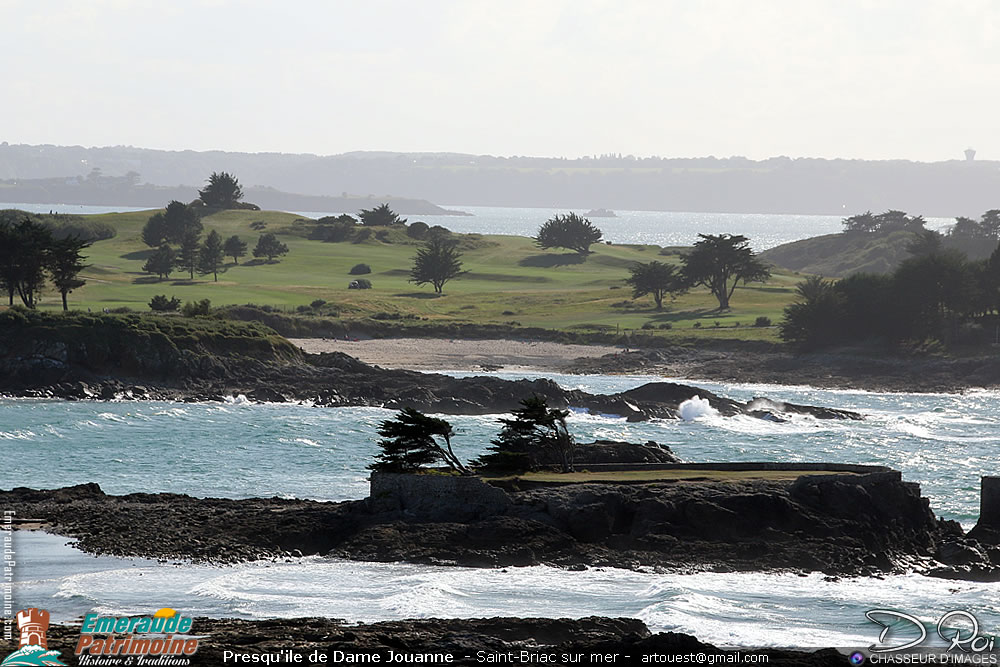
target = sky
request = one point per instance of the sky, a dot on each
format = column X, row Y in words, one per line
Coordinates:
column 868, row 79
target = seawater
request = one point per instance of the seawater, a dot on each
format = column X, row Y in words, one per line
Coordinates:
column 943, row 441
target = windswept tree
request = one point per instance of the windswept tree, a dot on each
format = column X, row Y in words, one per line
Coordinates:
column 65, row 265
column 536, row 432
column 187, row 256
column 161, row 262
column 413, row 440
column 269, row 246
column 380, row 215
column 569, row 231
column 211, row 255
column 223, row 191
column 235, row 247
column 815, row 318
column 658, row 279
column 437, row 262
column 720, row 263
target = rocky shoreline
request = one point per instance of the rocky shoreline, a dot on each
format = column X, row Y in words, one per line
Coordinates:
column 132, row 357
column 857, row 369
column 839, row 524
column 468, row 641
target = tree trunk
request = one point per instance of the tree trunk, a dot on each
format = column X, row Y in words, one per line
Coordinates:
column 65, row 307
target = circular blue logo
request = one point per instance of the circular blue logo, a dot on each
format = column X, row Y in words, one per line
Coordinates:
column 856, row 658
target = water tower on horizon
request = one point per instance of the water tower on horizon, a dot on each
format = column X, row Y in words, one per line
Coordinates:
column 970, row 154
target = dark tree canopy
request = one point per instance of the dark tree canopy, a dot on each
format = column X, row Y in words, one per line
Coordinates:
column 535, row 431
column 436, row 262
column 187, row 256
column 65, row 265
column 411, row 441
column 211, row 256
column 883, row 223
column 161, row 262
column 380, row 215
column 154, row 232
column 656, row 278
column 235, row 247
column 269, row 246
column 720, row 263
column 569, row 231
column 223, row 191
column 25, row 255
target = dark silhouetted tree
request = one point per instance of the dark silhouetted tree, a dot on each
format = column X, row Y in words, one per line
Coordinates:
column 720, row 263
column 65, row 265
column 211, row 256
column 569, row 231
column 187, row 256
column 535, row 431
column 437, row 262
column 656, row 278
column 25, row 252
column 179, row 220
column 235, row 247
column 161, row 262
column 223, row 191
column 154, row 232
column 380, row 215
column 269, row 246
column 413, row 440
column 815, row 318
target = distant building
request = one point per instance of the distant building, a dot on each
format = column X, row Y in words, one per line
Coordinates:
column 970, row 154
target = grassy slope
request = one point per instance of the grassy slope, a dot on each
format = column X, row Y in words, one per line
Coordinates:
column 506, row 274
column 839, row 255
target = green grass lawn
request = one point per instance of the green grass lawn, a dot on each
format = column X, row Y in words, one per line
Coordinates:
column 636, row 476
column 508, row 280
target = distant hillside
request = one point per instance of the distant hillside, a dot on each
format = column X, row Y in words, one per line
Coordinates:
column 100, row 190
column 839, row 255
column 706, row 184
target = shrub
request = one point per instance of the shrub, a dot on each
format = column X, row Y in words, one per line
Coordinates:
column 762, row 321
column 303, row 309
column 194, row 309
column 383, row 236
column 718, row 324
column 360, row 283
column 417, row 230
column 363, row 235
column 318, row 303
column 696, row 325
column 648, row 325
column 160, row 302
column 666, row 325
column 360, row 269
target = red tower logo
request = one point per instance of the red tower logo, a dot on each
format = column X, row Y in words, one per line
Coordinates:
column 33, row 623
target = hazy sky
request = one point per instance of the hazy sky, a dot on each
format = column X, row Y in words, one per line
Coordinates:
column 912, row 79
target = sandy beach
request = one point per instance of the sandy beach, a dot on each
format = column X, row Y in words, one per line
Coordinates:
column 456, row 354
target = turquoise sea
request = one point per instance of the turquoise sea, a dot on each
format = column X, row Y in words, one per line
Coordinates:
column 943, row 441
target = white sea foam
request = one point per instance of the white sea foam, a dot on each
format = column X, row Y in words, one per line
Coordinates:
column 696, row 407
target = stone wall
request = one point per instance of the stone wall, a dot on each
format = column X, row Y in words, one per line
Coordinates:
column 436, row 497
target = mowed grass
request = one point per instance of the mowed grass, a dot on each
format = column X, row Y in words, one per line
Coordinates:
column 639, row 476
column 507, row 280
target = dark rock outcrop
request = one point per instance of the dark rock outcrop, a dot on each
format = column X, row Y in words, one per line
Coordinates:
column 101, row 356
column 834, row 523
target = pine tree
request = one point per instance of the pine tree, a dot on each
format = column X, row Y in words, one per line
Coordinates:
column 269, row 246
column 211, row 256
column 535, row 431
column 235, row 248
column 187, row 258
column 161, row 262
column 410, row 442
column 436, row 263
column 65, row 265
